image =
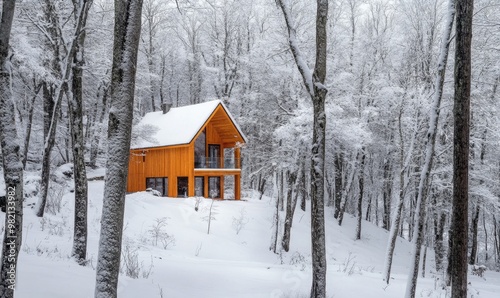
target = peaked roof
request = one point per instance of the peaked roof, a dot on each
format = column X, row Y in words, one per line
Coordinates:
column 177, row 127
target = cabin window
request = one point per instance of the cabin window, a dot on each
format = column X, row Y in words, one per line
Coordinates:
column 199, row 150
column 159, row 184
column 214, row 187
column 182, row 187
column 199, row 186
column 214, row 156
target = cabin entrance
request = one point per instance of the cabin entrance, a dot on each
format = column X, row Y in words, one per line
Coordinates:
column 182, row 187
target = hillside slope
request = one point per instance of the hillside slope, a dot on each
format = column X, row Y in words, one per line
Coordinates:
column 177, row 258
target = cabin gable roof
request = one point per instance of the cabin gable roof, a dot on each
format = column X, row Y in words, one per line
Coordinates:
column 180, row 126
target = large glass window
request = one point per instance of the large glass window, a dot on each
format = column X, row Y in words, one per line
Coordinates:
column 214, row 187
column 159, row 184
column 182, row 187
column 199, row 186
column 199, row 150
column 214, row 156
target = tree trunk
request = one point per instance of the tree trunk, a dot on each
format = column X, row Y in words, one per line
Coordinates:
column 96, row 137
column 474, row 230
column 461, row 114
column 338, row 183
column 276, row 224
column 30, row 123
column 440, row 253
column 395, row 226
column 430, row 142
column 346, row 193
column 55, row 102
column 290, row 210
column 127, row 31
column 12, row 164
column 303, row 188
column 361, row 184
column 315, row 86
column 387, row 192
column 79, row 251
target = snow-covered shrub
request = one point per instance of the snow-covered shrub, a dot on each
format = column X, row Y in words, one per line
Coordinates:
column 212, row 211
column 240, row 221
column 54, row 199
column 54, row 227
column 158, row 233
column 130, row 262
column 31, row 186
column 298, row 260
column 348, row 266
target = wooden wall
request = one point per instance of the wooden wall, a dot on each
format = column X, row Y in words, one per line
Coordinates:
column 178, row 161
column 171, row 162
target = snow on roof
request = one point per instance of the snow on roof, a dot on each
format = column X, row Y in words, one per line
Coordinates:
column 179, row 126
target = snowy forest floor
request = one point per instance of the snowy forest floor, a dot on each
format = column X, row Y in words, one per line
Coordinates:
column 167, row 245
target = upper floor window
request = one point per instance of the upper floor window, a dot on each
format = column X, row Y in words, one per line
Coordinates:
column 199, row 150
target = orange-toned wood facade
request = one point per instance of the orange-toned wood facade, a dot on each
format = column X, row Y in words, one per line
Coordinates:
column 178, row 162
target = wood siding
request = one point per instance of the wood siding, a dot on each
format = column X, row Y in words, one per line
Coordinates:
column 171, row 162
column 178, row 161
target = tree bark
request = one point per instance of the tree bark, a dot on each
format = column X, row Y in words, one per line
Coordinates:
column 30, row 123
column 314, row 84
column 12, row 164
column 474, row 231
column 79, row 251
column 125, row 47
column 56, row 95
column 291, row 203
column 361, row 184
column 461, row 114
column 338, row 162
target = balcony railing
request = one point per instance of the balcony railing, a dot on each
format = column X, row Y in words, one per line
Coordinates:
column 202, row 162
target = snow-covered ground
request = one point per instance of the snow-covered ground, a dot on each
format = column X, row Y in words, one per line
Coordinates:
column 223, row 263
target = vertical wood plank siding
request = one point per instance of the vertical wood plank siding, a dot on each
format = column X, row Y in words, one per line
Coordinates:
column 178, row 161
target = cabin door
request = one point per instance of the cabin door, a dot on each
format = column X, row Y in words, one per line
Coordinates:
column 182, row 187
column 214, row 156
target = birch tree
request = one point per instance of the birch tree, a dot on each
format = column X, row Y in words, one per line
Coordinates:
column 126, row 42
column 314, row 83
column 11, row 158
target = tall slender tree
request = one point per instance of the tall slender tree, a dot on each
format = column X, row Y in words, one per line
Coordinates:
column 126, row 42
column 79, row 251
column 461, row 115
column 315, row 85
column 12, row 164
column 430, row 142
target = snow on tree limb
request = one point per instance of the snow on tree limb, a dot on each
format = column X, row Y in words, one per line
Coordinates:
column 299, row 58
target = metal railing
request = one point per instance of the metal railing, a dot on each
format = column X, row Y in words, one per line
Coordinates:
column 203, row 162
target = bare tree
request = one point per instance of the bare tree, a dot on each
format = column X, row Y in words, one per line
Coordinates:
column 12, row 164
column 79, row 251
column 430, row 142
column 461, row 113
column 126, row 42
column 314, row 83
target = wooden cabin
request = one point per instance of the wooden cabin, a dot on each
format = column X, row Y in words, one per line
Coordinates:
column 187, row 151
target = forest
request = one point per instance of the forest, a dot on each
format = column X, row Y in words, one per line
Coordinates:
column 382, row 69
